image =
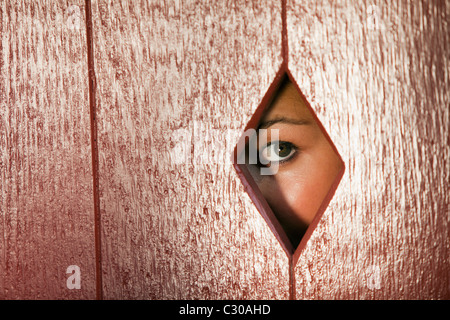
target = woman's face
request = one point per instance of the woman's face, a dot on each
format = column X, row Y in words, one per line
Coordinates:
column 307, row 164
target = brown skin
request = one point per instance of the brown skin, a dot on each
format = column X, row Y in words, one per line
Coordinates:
column 308, row 165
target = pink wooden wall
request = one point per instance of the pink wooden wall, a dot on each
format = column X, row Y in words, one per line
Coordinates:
column 96, row 96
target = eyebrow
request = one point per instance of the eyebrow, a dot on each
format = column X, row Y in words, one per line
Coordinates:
column 270, row 123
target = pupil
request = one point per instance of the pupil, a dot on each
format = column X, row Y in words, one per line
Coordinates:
column 283, row 150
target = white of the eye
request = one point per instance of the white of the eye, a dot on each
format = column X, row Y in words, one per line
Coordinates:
column 269, row 154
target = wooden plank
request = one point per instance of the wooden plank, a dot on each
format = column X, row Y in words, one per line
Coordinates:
column 173, row 78
column 377, row 75
column 46, row 207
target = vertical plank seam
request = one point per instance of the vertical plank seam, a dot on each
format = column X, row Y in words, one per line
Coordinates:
column 94, row 151
column 292, row 289
column 285, row 56
column 284, row 41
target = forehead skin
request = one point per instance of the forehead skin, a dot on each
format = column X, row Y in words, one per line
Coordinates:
column 288, row 104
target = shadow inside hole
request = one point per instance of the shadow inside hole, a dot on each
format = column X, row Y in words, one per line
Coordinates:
column 289, row 139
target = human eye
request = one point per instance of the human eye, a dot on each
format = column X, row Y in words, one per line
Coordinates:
column 277, row 152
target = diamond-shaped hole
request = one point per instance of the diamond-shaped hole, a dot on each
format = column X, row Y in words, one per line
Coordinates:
column 288, row 164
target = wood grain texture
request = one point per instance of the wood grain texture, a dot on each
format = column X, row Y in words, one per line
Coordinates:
column 173, row 79
column 377, row 76
column 46, row 210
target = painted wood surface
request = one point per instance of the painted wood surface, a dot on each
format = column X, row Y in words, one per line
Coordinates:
column 46, row 204
column 377, row 76
column 173, row 80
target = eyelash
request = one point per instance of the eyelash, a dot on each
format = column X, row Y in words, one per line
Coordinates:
column 289, row 158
